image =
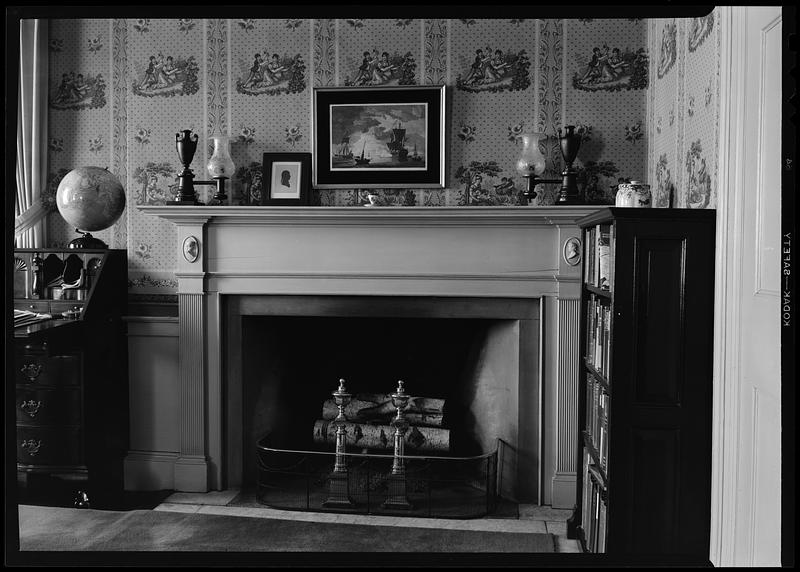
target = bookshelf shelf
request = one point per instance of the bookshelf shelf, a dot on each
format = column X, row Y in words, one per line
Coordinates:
column 644, row 456
column 598, row 376
column 598, row 291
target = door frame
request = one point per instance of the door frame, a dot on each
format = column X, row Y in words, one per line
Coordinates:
column 728, row 324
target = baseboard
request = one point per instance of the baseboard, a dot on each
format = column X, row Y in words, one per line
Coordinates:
column 149, row 470
column 564, row 488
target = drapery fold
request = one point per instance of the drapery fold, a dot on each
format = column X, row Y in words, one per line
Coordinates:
column 31, row 134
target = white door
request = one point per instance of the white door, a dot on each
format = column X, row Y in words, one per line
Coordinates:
column 758, row 510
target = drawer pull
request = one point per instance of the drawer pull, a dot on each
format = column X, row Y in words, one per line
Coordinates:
column 31, row 370
column 32, row 446
column 31, row 407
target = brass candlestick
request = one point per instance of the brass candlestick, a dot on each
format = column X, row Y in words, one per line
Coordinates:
column 397, row 480
column 338, row 482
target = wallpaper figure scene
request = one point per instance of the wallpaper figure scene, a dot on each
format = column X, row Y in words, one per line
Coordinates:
column 493, row 70
column 384, row 70
column 78, row 92
column 273, row 75
column 167, row 76
column 610, row 69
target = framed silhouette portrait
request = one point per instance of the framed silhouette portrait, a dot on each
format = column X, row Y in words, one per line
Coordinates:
column 286, row 179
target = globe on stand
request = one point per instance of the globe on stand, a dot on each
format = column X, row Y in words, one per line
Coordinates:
column 90, row 199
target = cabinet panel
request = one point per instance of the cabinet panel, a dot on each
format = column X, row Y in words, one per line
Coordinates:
column 655, row 468
column 659, row 320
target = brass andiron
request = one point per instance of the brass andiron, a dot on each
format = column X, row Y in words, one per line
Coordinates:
column 397, row 498
column 568, row 194
column 186, row 145
column 338, row 493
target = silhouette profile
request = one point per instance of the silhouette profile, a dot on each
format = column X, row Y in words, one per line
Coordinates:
column 285, row 176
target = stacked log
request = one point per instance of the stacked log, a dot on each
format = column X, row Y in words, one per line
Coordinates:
column 369, row 436
column 378, row 408
column 369, row 417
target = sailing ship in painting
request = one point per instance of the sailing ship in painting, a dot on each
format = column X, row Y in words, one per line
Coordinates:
column 343, row 156
column 79, row 92
column 613, row 70
column 397, row 143
column 167, row 77
column 378, row 136
column 362, row 161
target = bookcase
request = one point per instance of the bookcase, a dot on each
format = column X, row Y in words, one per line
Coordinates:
column 644, row 397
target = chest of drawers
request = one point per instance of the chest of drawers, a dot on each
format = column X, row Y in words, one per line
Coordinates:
column 70, row 379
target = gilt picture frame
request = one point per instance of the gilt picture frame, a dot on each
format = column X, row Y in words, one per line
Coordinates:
column 286, row 179
column 379, row 137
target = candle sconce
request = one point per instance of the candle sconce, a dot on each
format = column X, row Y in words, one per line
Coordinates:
column 220, row 166
column 531, row 165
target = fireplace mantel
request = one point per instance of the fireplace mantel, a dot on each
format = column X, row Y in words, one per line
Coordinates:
column 467, row 251
column 482, row 216
column 490, row 252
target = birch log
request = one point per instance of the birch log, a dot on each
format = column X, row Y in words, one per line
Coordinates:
column 363, row 407
column 382, row 436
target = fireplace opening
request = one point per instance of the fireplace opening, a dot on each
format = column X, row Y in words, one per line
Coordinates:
column 482, row 365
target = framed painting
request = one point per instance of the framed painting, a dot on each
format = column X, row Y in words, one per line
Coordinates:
column 286, row 179
column 379, row 137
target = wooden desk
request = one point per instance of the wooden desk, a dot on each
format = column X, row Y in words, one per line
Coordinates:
column 71, row 382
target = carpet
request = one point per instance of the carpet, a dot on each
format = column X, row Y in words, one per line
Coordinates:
column 66, row 529
column 247, row 498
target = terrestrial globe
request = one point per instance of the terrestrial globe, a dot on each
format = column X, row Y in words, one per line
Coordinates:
column 90, row 199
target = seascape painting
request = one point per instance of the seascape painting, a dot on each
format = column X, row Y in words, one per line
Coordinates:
column 379, row 136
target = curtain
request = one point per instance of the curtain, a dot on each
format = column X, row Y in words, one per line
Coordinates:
column 29, row 223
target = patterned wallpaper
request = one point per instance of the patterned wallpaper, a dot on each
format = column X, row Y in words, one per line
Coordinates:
column 683, row 111
column 121, row 89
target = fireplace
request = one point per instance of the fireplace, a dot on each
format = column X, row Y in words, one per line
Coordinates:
column 492, row 281
column 285, row 355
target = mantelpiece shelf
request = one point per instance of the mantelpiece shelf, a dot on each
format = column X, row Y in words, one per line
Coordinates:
column 598, row 291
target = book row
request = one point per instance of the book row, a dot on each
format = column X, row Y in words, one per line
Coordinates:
column 598, row 264
column 594, row 513
column 597, row 404
column 598, row 335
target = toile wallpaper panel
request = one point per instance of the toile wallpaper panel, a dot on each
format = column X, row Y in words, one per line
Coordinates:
column 147, row 79
column 683, row 120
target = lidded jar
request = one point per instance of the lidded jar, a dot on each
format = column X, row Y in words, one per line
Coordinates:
column 634, row 194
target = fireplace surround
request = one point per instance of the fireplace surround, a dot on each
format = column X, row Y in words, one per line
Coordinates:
column 499, row 263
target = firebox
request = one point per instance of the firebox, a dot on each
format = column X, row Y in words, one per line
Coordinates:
column 286, row 355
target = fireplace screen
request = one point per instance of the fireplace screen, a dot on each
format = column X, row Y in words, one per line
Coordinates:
column 429, row 486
